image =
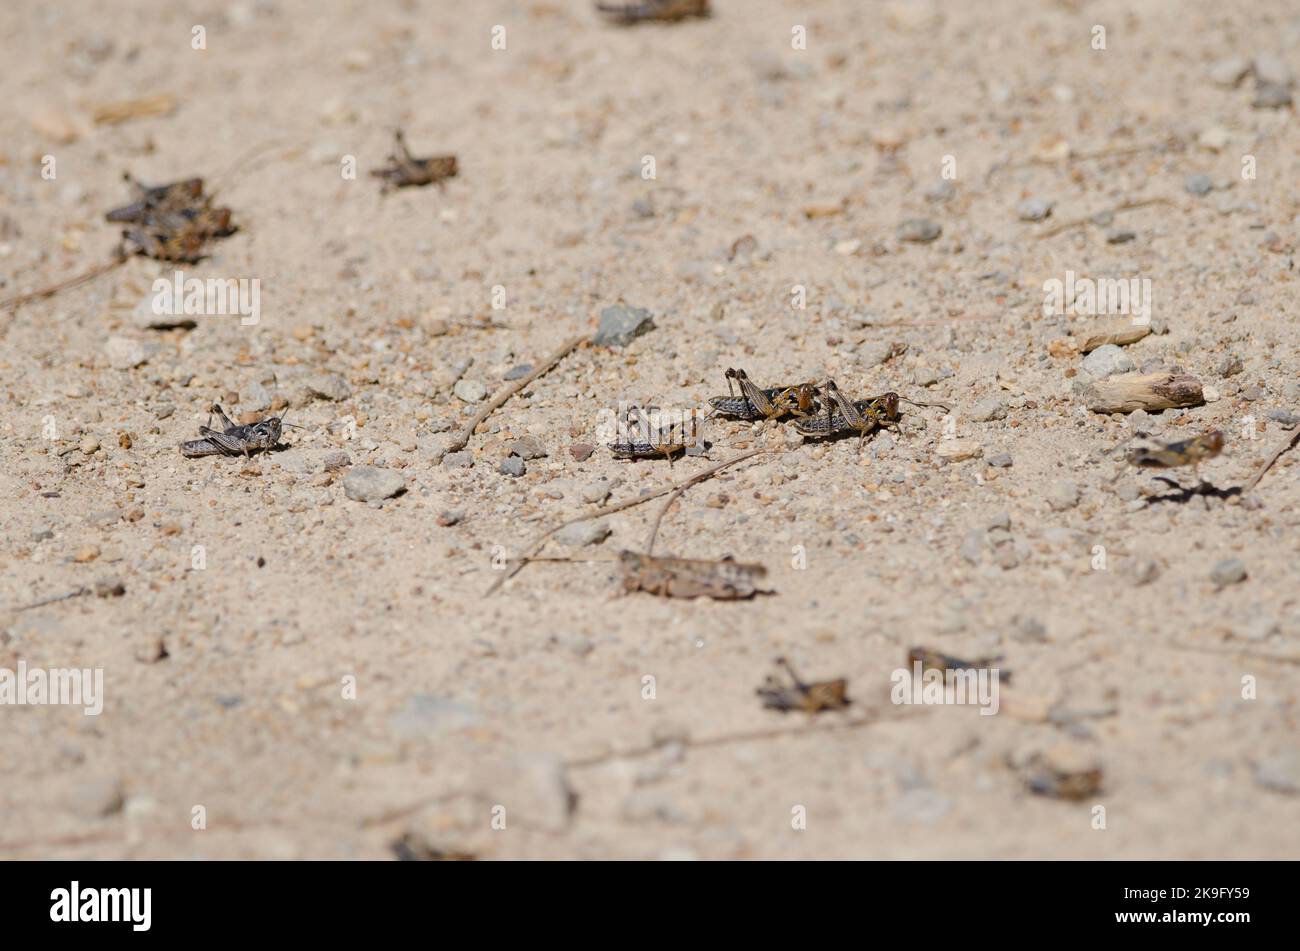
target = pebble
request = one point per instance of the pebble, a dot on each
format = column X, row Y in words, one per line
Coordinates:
column 533, row 788
column 429, row 715
column 512, row 466
column 919, row 230
column 1280, row 772
column 1034, row 209
column 873, row 353
column 41, row 533
column 988, row 409
column 925, row 376
column 1215, row 138
column 1259, row 628
column 1285, row 417
column 583, row 533
column 581, row 451
column 1107, row 361
column 126, row 354
column 1000, row 460
column 336, row 460
column 620, row 325
column 1199, row 184
column 368, row 484
column 1271, row 96
column 145, row 317
column 1229, row 72
column 1062, row 496
column 1270, row 68
column 329, row 386
column 459, row 460
column 1120, row 235
column 1229, row 571
column 597, row 492
column 519, row 372
column 1145, row 571
column 86, row 553
column 958, row 450
column 974, row 545
column 528, row 447
column 449, row 517
column 98, row 798
column 110, row 587
column 941, row 191
column 89, row 445
column 469, row 391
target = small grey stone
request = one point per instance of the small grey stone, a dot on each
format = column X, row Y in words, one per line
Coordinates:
column 1145, row 571
column 1271, row 96
column 1028, row 629
column 519, row 372
column 512, row 466
column 41, row 533
column 146, row 317
column 1230, row 365
column 1285, row 417
column 1252, row 393
column 941, row 191
column 874, row 352
column 925, row 376
column 97, row 798
column 1107, row 361
column 1280, row 772
column 428, row 715
column 1270, row 68
column 643, row 208
column 620, row 325
column 528, row 447
column 1062, row 496
column 1006, row 557
column 1199, row 184
column 459, row 460
column 1229, row 72
column 583, row 533
column 470, row 391
column 338, row 459
column 328, row 386
column 1034, row 209
column 368, row 484
column 1229, row 571
column 919, row 230
column 974, row 545
column 1000, row 520
column 988, row 409
column 1000, row 460
column 126, row 354
column 1120, row 235
column 1127, row 492
column 441, row 426
column 597, row 492
column 1259, row 628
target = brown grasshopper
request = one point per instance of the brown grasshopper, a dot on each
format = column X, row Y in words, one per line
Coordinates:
column 771, row 403
column 234, row 439
column 1044, row 779
column 850, row 416
column 651, row 442
column 666, row 11
column 405, row 170
column 668, row 577
column 172, row 222
column 810, row 698
column 1186, row 452
column 933, row 660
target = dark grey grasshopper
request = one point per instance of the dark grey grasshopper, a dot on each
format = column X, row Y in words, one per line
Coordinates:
column 235, row 440
column 649, row 440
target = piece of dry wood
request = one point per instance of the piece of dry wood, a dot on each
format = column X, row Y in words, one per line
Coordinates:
column 540, row 542
column 1259, row 474
column 1080, row 222
column 461, row 439
column 13, row 303
column 1147, row 391
column 114, row 113
column 1119, row 335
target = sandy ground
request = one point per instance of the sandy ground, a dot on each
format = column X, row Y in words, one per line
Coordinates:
column 334, row 677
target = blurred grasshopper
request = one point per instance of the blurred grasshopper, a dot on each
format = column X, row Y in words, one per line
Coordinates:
column 666, row 11
column 405, row 170
column 649, row 440
column 933, row 660
column 1186, row 452
column 810, row 698
column 235, row 439
column 668, row 577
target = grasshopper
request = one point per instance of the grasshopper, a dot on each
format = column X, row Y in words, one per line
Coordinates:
column 810, row 698
column 404, row 169
column 170, row 222
column 771, row 403
column 1187, row 452
column 652, row 442
column 725, row 580
column 851, row 416
column 933, row 660
column 235, row 439
column 1044, row 779
column 666, row 11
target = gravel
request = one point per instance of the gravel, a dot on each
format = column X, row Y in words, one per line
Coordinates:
column 1106, row 361
column 620, row 325
column 369, row 484
column 1228, row 572
column 919, row 230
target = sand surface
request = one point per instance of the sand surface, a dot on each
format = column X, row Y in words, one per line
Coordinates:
column 306, row 675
